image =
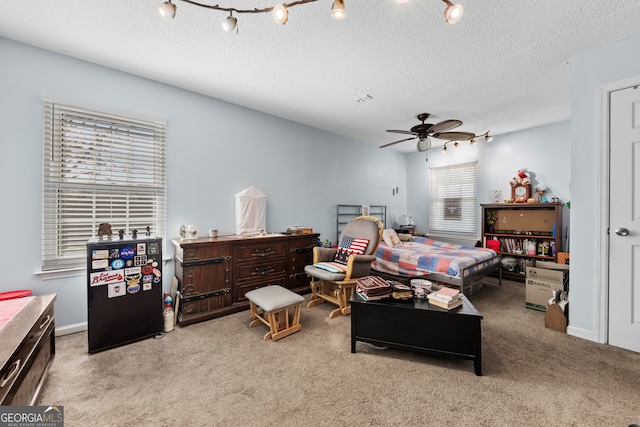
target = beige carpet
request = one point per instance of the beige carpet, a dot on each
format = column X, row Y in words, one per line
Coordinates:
column 220, row 373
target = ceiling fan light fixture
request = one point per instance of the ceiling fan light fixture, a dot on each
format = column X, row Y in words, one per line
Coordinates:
column 337, row 10
column 167, row 10
column 444, row 149
column 455, row 144
column 229, row 24
column 472, row 141
column 488, row 137
column 280, row 14
column 423, row 144
column 453, row 13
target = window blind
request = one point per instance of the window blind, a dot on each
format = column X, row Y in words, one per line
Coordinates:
column 453, row 199
column 98, row 168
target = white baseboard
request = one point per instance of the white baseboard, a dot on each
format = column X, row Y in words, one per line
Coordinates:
column 582, row 333
column 71, row 329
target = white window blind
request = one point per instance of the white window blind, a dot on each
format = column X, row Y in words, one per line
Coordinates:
column 453, row 199
column 98, row 168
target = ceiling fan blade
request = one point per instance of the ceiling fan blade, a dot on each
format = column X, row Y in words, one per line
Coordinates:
column 445, row 126
column 455, row 136
column 396, row 142
column 407, row 132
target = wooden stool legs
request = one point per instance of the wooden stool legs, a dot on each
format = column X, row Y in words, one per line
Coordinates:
column 280, row 322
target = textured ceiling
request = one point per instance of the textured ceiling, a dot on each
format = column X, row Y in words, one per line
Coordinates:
column 504, row 67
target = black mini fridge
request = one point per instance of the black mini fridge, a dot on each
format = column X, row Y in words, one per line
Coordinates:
column 124, row 291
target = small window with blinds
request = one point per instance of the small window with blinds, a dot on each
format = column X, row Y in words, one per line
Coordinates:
column 453, row 200
column 98, row 168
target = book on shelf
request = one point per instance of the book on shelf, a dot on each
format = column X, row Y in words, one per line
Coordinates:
column 448, row 305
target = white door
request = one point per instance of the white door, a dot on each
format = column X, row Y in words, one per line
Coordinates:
column 624, row 219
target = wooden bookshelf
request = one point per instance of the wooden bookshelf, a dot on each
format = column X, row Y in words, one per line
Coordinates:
column 517, row 225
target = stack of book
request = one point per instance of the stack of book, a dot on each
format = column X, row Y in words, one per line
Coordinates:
column 446, row 298
column 373, row 288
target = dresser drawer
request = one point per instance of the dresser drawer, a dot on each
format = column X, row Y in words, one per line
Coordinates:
column 256, row 252
column 204, row 253
column 204, row 279
column 261, row 272
column 242, row 290
column 194, row 306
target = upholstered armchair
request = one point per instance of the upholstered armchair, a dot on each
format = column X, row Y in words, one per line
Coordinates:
column 335, row 270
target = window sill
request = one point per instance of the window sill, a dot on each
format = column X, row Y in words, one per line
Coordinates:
column 72, row 272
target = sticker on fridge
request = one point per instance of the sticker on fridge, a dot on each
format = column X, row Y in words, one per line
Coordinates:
column 100, row 254
column 105, row 277
column 117, row 289
column 99, row 264
column 142, row 249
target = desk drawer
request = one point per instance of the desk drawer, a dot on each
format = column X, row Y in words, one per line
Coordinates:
column 17, row 368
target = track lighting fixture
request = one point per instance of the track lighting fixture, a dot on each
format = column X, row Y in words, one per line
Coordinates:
column 486, row 136
column 167, row 10
column 337, row 10
column 230, row 24
column 280, row 12
column 473, row 141
column 453, row 13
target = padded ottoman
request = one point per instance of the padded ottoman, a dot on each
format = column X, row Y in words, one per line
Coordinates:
column 271, row 305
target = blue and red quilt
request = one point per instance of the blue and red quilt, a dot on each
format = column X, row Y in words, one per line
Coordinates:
column 424, row 256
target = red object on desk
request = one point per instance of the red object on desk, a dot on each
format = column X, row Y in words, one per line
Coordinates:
column 14, row 294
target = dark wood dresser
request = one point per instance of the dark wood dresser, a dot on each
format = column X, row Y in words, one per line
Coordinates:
column 214, row 274
column 27, row 350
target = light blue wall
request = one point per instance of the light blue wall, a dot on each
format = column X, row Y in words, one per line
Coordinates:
column 214, row 150
column 543, row 151
column 590, row 72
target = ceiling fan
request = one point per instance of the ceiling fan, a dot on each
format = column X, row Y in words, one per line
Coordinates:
column 425, row 130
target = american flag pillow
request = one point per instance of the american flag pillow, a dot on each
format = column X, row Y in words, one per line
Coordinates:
column 348, row 246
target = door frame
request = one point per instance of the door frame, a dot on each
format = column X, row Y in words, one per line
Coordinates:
column 603, row 198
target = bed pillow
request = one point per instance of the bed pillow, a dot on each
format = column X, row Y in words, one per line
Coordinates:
column 390, row 238
column 348, row 246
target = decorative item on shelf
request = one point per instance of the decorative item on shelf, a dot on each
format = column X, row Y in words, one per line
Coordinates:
column 540, row 189
column 520, row 186
column 492, row 217
column 495, row 196
column 104, row 229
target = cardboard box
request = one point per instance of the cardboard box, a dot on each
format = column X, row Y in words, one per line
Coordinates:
column 542, row 280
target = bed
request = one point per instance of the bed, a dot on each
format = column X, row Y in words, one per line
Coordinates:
column 437, row 261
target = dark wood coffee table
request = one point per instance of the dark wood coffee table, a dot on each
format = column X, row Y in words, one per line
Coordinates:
column 417, row 325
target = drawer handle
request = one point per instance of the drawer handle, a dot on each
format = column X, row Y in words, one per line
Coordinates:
column 301, row 250
column 262, row 252
column 13, row 369
column 45, row 321
column 297, row 275
column 262, row 271
column 226, row 275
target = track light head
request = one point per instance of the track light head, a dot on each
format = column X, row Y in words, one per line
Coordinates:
column 337, row 10
column 488, row 137
column 167, row 10
column 453, row 13
column 472, row 141
column 230, row 24
column 280, row 14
